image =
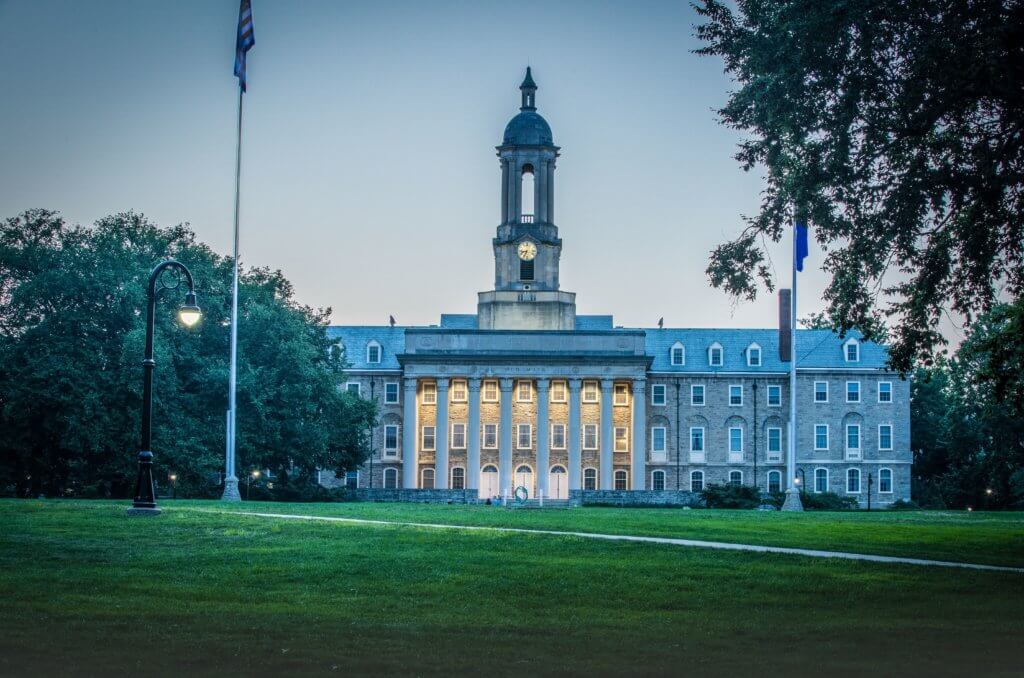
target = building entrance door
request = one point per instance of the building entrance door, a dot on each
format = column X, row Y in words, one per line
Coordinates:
column 524, row 477
column 488, row 482
column 558, row 483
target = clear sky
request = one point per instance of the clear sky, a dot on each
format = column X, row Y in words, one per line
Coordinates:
column 369, row 171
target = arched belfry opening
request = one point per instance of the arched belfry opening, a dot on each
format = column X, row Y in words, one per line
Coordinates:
column 526, row 206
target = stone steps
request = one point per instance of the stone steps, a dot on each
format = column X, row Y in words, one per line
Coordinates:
column 535, row 504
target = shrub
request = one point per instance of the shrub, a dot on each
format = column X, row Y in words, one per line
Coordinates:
column 827, row 501
column 731, row 496
column 904, row 505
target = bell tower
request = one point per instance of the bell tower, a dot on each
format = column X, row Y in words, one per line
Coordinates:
column 527, row 248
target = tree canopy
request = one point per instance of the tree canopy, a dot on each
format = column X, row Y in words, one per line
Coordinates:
column 72, row 332
column 897, row 130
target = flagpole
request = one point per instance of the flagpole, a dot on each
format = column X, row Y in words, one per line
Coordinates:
column 230, row 478
column 792, row 502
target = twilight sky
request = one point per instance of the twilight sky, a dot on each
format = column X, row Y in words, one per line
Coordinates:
column 369, row 171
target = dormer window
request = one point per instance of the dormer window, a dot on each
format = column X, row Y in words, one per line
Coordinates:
column 677, row 355
column 753, row 356
column 851, row 351
column 715, row 355
column 373, row 352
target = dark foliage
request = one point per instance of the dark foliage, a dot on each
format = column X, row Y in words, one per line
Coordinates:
column 827, row 501
column 731, row 496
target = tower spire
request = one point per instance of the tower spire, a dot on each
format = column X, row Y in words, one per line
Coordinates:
column 529, row 90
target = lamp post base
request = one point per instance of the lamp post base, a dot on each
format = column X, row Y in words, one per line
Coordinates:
column 231, row 490
column 135, row 511
column 792, row 502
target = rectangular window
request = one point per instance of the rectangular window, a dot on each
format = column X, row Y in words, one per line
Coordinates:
column 458, row 390
column 429, row 393
column 458, row 436
column 821, row 436
column 589, row 479
column 621, row 395
column 735, row 443
column 490, row 391
column 853, row 441
column 885, row 391
column 821, row 480
column 658, row 481
column 621, row 439
column 853, row 391
column 373, row 354
column 735, row 395
column 658, row 440
column 754, row 357
column 697, row 394
column 524, row 439
column 885, row 437
column 590, row 391
column 490, row 441
column 715, row 357
column 885, row 480
column 524, row 391
column 697, row 439
column 852, row 352
column 558, row 391
column 774, row 395
column 353, row 388
column 458, row 478
column 427, row 444
column 558, row 436
column 590, row 437
column 821, row 391
column 774, row 444
column 352, row 479
column 658, row 394
column 677, row 355
column 390, row 440
column 853, row 481
column 391, row 393
column 696, row 481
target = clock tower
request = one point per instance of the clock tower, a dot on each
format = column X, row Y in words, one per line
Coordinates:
column 527, row 248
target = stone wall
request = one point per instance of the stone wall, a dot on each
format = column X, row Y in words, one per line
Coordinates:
column 633, row 498
column 418, row 496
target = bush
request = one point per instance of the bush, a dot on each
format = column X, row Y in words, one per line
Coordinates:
column 294, row 489
column 731, row 496
column 904, row 505
column 827, row 501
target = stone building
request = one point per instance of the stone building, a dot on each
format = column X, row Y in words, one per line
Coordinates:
column 526, row 393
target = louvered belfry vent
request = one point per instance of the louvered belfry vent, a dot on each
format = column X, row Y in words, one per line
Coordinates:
column 525, row 270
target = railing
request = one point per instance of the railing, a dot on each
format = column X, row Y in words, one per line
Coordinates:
column 526, row 219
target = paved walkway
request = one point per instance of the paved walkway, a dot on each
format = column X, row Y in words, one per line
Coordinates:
column 812, row 553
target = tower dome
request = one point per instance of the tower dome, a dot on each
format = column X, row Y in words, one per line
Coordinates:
column 528, row 128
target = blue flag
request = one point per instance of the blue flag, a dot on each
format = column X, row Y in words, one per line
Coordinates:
column 801, row 245
column 245, row 41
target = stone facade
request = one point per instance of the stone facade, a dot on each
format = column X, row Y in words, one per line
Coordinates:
column 527, row 393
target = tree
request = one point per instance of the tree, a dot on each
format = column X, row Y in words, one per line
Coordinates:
column 897, row 130
column 71, row 342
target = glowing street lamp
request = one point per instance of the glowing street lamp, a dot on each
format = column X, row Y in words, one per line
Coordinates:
column 252, row 476
column 189, row 314
column 174, row 485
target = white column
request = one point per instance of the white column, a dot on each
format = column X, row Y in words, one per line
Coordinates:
column 441, row 436
column 409, row 435
column 639, row 434
column 573, row 435
column 543, row 429
column 504, row 191
column 473, row 437
column 540, row 191
column 551, row 192
column 607, row 438
column 505, row 438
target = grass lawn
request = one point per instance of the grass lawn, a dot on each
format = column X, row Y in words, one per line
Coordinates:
column 86, row 590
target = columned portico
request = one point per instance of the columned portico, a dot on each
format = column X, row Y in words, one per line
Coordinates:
column 639, row 447
column 573, row 434
column 607, row 439
column 441, row 433
column 473, row 437
column 543, row 428
column 505, row 443
column 409, row 437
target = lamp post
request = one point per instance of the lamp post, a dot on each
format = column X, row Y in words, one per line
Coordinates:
column 252, row 476
column 174, row 485
column 189, row 314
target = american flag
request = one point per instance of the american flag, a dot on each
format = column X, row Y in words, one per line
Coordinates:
column 246, row 40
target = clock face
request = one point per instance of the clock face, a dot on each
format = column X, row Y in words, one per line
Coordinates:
column 527, row 250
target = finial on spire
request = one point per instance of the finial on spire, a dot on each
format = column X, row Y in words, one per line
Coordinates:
column 529, row 90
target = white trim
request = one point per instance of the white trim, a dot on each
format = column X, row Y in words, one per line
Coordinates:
column 703, row 395
column 373, row 343
column 892, row 481
column 388, row 470
column 772, row 455
column 827, row 435
column 519, row 436
column 519, row 391
column 615, row 479
column 423, row 472
column 853, row 453
column 597, row 391
column 768, row 480
column 391, row 451
column 729, row 477
column 664, row 441
column 847, row 483
column 715, row 346
column 768, row 395
column 672, row 354
column 431, row 388
column 760, row 355
column 597, row 439
column 483, row 437
column 734, row 455
column 664, row 395
column 565, row 391
column 731, row 403
column 853, row 381
column 692, row 475
column 398, row 392
column 565, row 439
column 344, row 480
column 483, row 391
column 654, row 473
column 828, row 479
column 615, row 395
column 624, row 430
column 451, row 477
column 359, row 388
column 846, row 357
column 583, row 478
column 423, row 438
column 885, row 449
column 879, row 396
column 863, row 462
column 465, row 439
column 454, row 389
column 814, row 393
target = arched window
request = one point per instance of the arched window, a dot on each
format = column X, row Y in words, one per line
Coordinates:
column 735, row 477
column 677, row 354
column 851, row 350
column 853, row 481
column 885, row 480
column 458, row 478
column 590, row 479
column 821, row 479
column 621, row 480
column 390, row 478
column 373, row 353
column 696, row 481
column 427, row 479
column 658, row 480
column 526, row 208
column 774, row 481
